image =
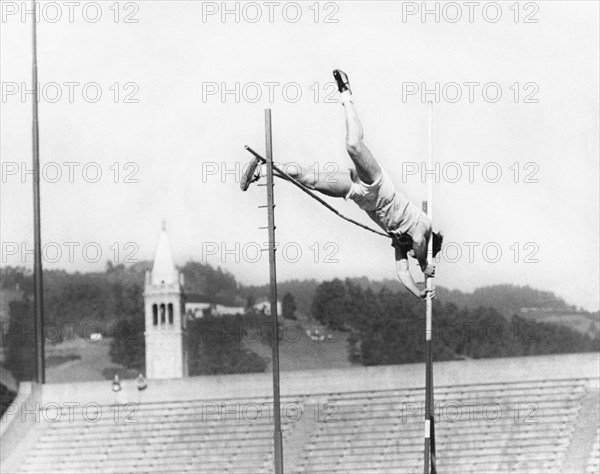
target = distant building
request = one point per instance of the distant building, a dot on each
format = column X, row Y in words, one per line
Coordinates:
column 167, row 310
column 165, row 321
column 264, row 306
column 197, row 310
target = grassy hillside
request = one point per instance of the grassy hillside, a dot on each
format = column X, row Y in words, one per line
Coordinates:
column 297, row 351
column 82, row 360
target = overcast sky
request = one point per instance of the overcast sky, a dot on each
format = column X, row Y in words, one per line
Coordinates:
column 515, row 134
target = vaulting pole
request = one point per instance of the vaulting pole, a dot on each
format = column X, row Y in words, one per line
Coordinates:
column 429, row 457
column 38, row 300
column 277, row 438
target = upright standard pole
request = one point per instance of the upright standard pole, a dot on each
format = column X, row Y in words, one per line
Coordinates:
column 37, row 238
column 429, row 457
column 277, row 438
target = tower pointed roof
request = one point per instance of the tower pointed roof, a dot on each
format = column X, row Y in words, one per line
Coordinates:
column 164, row 270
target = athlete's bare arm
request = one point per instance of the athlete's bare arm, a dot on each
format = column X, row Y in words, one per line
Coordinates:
column 402, row 268
column 420, row 240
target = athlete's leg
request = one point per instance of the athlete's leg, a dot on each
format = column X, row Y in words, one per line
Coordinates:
column 337, row 185
column 367, row 168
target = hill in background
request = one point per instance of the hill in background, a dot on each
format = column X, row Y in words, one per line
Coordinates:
column 77, row 304
column 508, row 300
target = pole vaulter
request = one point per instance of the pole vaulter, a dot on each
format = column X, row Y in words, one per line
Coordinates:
column 371, row 188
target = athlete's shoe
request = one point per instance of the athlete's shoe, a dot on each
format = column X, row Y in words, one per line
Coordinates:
column 251, row 174
column 342, row 80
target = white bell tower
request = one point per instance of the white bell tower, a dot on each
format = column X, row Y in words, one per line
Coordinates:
column 165, row 334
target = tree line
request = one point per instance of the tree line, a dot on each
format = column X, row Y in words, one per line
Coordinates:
column 384, row 324
column 387, row 327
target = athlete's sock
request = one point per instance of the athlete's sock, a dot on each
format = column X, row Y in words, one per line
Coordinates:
column 346, row 97
column 343, row 84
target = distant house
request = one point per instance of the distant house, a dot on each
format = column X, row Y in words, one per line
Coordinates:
column 198, row 306
column 264, row 306
column 200, row 309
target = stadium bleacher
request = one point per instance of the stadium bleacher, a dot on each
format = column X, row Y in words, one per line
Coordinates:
column 593, row 466
column 232, row 435
column 360, row 420
column 519, row 425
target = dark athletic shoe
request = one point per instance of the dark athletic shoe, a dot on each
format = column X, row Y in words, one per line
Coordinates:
column 342, row 80
column 250, row 175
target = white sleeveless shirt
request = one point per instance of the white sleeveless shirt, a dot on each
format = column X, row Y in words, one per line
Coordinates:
column 390, row 209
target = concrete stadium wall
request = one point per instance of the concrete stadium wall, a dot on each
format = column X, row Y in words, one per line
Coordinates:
column 327, row 381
